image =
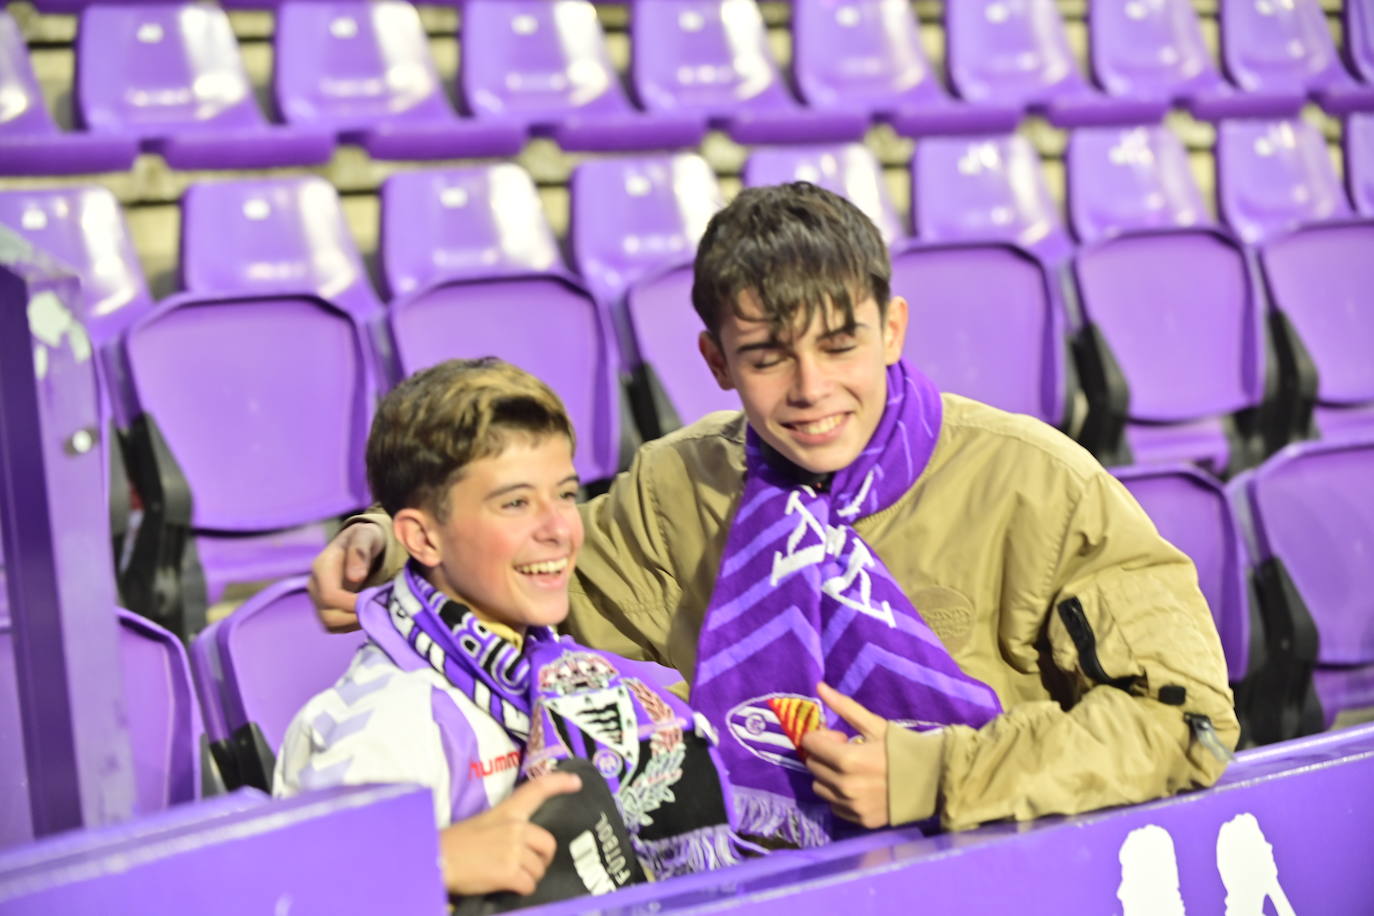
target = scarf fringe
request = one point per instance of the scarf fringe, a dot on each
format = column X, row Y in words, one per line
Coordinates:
column 704, row 849
column 768, row 815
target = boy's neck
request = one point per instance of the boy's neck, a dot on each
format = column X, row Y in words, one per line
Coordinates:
column 513, row 635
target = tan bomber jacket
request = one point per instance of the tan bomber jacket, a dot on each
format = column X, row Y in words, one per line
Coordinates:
column 1034, row 566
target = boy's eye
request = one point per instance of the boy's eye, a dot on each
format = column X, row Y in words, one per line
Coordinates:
column 570, row 496
column 518, row 503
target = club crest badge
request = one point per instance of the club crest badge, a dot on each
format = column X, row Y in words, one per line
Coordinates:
column 771, row 727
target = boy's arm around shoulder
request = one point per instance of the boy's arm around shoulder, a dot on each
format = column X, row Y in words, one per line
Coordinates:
column 1124, row 619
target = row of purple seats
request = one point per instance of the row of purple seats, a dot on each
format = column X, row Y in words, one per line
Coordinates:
column 168, row 77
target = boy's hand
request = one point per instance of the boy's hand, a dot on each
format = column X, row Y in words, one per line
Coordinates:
column 339, row 572
column 499, row 849
column 851, row 775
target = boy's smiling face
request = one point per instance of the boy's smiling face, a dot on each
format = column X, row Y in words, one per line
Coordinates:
column 508, row 543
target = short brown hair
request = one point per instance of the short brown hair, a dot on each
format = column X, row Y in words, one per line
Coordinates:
column 441, row 419
column 797, row 247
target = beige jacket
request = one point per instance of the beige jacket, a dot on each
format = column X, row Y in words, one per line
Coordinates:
column 1009, row 519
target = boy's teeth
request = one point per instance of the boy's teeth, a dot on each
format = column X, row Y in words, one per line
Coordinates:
column 821, row 426
column 548, row 566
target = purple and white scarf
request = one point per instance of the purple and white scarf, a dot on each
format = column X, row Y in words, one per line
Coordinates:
column 801, row 598
column 560, row 699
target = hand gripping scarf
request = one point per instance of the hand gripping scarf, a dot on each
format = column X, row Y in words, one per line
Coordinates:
column 801, row 598
column 562, row 700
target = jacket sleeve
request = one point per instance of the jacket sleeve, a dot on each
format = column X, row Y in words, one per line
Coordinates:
column 1133, row 656
column 393, row 558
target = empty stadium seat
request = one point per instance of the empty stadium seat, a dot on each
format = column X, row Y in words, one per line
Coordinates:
column 1320, row 280
column 711, row 58
column 1359, row 38
column 170, row 76
column 1311, row 510
column 1178, row 315
column 1273, row 176
column 364, row 70
column 30, row 141
column 1156, row 49
column 256, row 668
column 1122, row 178
column 986, row 323
column 1286, row 46
column 252, row 413
column 985, row 189
column 850, row 170
column 1017, row 53
column 462, row 223
column 544, row 64
column 163, row 720
column 1359, row 161
column 868, row 54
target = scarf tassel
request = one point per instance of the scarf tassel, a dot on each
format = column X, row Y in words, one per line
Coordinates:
column 704, row 849
column 765, row 814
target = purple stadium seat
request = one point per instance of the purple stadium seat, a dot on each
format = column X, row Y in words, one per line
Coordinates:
column 1192, row 511
column 1122, row 178
column 240, row 441
column 164, row 724
column 672, row 386
column 170, row 76
column 1359, row 39
column 363, row 69
column 1177, row 310
column 1320, row 278
column 1269, row 46
column 1359, row 161
column 1016, row 52
column 985, row 189
column 30, row 141
column 565, row 341
column 711, row 58
column 868, row 54
column 1156, row 49
column 1273, row 176
column 1312, row 510
column 850, row 170
column 543, row 64
column 986, row 324
column 258, row 667
column 272, row 234
column 453, row 224
column 629, row 217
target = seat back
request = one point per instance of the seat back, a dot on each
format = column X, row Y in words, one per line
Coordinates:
column 631, row 216
column 984, row 188
column 1359, row 161
column 564, row 341
column 1321, row 277
column 84, row 228
column 1192, row 512
column 462, row 223
column 1313, row 509
column 268, row 235
column 865, row 53
column 850, row 170
column 536, row 60
column 24, row 111
column 1148, row 49
column 1273, row 176
column 1359, row 39
column 265, row 660
column 351, row 64
column 984, row 325
column 1008, row 51
column 1179, row 313
column 153, row 69
column 1278, row 46
column 264, row 403
column 1130, row 178
column 703, row 56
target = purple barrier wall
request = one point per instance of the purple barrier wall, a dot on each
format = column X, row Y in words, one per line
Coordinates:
column 1289, row 830
column 55, row 521
column 356, row 850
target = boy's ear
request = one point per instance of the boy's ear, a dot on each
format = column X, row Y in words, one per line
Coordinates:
column 895, row 320
column 417, row 531
column 715, row 360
